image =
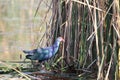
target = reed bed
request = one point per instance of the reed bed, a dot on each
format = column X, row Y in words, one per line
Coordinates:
column 91, row 31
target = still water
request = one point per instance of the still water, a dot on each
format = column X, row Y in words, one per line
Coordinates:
column 19, row 29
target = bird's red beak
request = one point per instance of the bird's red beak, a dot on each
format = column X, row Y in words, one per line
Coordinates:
column 63, row 40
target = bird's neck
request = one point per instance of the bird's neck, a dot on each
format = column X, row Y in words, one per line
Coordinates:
column 56, row 46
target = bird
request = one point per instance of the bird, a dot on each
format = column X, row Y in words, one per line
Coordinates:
column 42, row 54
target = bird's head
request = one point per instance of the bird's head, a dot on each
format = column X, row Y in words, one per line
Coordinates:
column 60, row 39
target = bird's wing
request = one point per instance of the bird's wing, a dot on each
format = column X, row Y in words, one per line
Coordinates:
column 39, row 53
column 30, row 52
column 44, row 53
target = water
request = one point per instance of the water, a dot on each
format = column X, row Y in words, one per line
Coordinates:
column 19, row 29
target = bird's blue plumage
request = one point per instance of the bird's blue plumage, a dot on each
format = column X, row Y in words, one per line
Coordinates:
column 42, row 54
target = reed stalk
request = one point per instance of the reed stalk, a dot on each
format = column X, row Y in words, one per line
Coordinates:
column 90, row 29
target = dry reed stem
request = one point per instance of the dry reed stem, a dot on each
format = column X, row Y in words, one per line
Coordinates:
column 82, row 21
column 86, row 4
column 116, row 11
column 93, row 33
column 8, row 66
column 97, row 47
column 111, row 59
column 38, row 7
column 103, row 56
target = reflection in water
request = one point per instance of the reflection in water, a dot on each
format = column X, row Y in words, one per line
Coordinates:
column 19, row 29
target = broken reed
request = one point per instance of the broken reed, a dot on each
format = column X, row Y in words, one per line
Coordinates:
column 89, row 29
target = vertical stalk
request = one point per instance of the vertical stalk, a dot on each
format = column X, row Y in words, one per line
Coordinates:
column 97, row 47
column 116, row 11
